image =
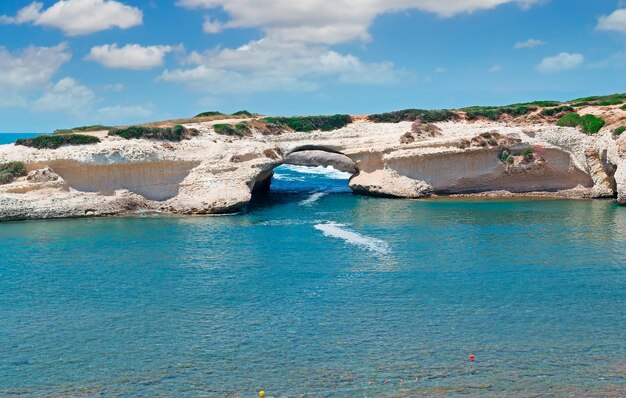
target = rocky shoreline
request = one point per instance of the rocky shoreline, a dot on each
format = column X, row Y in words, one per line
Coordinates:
column 212, row 173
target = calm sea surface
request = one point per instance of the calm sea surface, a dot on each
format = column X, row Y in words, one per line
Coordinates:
column 8, row 138
column 316, row 292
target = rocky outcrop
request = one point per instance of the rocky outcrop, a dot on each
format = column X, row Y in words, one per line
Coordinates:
column 212, row 173
column 322, row 158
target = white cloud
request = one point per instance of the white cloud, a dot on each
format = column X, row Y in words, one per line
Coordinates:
column 321, row 21
column 211, row 26
column 116, row 88
column 121, row 113
column 561, row 62
column 616, row 21
column 131, row 56
column 67, row 95
column 30, row 67
column 264, row 65
column 440, row 69
column 530, row 43
column 78, row 17
column 495, row 69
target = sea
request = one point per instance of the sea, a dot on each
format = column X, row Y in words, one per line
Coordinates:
column 315, row 292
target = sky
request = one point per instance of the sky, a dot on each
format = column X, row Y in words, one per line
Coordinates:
column 66, row 63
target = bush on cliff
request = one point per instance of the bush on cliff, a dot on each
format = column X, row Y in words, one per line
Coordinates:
column 238, row 130
column 97, row 127
column 10, row 171
column 495, row 112
column 209, row 113
column 623, row 107
column 618, row 131
column 569, row 120
column 411, row 115
column 56, row 141
column 557, row 110
column 176, row 133
column 311, row 123
column 591, row 124
column 243, row 113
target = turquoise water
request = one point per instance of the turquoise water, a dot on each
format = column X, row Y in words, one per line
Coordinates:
column 8, row 138
column 316, row 292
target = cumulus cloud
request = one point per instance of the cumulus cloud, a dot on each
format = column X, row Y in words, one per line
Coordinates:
column 265, row 65
column 131, row 56
column 561, row 62
column 321, row 21
column 78, row 17
column 67, row 95
column 530, row 43
column 123, row 113
column 211, row 26
column 615, row 21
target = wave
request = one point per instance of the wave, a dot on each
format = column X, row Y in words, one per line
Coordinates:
column 339, row 231
column 312, row 199
column 328, row 172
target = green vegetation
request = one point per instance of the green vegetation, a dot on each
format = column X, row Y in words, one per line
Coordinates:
column 56, row 141
column 557, row 110
column 97, row 127
column 542, row 104
column 623, row 107
column 209, row 113
column 310, row 123
column 10, row 171
column 605, row 100
column 243, row 113
column 239, row 130
column 569, row 120
column 591, row 124
column 411, row 115
column 528, row 153
column 176, row 133
column 495, row 112
column 618, row 131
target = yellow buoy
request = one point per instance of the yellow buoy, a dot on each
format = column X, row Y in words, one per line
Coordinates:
column 261, row 394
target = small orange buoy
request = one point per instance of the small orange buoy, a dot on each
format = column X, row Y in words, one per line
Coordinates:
column 472, row 357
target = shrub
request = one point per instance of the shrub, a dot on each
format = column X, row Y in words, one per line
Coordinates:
column 542, row 104
column 527, row 153
column 411, row 115
column 495, row 112
column 623, row 107
column 556, row 110
column 239, row 130
column 56, row 141
column 243, row 113
column 96, row 127
column 176, row 133
column 10, row 171
column 569, row 120
column 209, row 113
column 605, row 100
column 310, row 123
column 618, row 131
column 610, row 101
column 591, row 124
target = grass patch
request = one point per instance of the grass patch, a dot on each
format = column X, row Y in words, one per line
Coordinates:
column 311, row 123
column 618, row 131
column 176, row 133
column 238, row 130
column 557, row 110
column 569, row 120
column 83, row 129
column 56, row 141
column 209, row 113
column 596, row 100
column 10, row 171
column 244, row 113
column 411, row 115
column 495, row 112
column 591, row 124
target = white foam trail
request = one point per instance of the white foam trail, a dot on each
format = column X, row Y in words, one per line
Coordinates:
column 338, row 231
column 312, row 199
column 328, row 172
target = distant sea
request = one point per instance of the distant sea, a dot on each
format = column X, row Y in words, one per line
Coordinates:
column 316, row 292
column 8, row 138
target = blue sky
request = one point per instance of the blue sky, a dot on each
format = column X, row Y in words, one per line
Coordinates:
column 74, row 62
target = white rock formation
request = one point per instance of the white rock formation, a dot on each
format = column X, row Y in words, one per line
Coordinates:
column 211, row 173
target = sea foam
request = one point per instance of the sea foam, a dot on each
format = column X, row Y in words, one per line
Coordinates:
column 354, row 238
column 312, row 199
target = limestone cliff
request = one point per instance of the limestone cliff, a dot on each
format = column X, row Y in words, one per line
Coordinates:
column 212, row 173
